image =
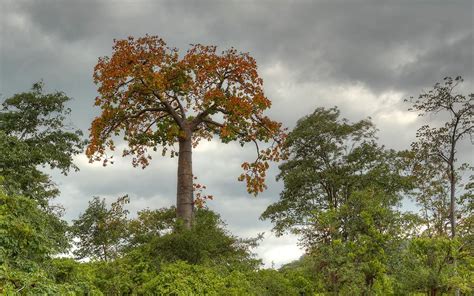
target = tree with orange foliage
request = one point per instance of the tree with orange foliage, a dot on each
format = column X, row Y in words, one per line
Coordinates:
column 158, row 99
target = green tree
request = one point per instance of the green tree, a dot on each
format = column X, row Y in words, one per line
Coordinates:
column 436, row 150
column 360, row 262
column 157, row 235
column 330, row 159
column 34, row 132
column 340, row 194
column 101, row 231
column 158, row 99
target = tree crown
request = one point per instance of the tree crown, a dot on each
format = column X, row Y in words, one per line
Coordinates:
column 157, row 98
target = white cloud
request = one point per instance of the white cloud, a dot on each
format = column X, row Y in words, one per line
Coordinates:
column 397, row 117
column 276, row 251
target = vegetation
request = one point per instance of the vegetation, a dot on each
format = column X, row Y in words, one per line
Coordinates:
column 34, row 133
column 435, row 153
column 342, row 190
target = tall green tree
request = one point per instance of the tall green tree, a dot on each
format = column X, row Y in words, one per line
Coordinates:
column 340, row 193
column 34, row 133
column 331, row 158
column 437, row 168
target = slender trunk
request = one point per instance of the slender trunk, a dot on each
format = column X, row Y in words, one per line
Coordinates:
column 185, row 200
column 433, row 291
column 452, row 206
column 104, row 250
column 452, row 175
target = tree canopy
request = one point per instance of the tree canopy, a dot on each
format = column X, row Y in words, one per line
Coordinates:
column 330, row 159
column 34, row 132
column 156, row 98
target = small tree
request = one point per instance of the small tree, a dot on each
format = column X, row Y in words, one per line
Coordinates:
column 159, row 99
column 157, row 236
column 101, row 230
column 437, row 147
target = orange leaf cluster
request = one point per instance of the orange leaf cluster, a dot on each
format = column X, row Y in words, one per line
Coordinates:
column 154, row 98
column 200, row 198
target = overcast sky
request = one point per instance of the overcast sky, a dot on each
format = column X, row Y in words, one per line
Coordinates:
column 363, row 56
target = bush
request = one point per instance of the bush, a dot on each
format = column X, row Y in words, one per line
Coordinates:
column 181, row 278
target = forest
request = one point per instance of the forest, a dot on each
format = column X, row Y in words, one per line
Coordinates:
column 343, row 190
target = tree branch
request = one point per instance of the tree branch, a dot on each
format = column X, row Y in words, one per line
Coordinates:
column 171, row 111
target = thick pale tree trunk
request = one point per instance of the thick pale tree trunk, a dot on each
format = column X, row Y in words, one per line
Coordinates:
column 185, row 200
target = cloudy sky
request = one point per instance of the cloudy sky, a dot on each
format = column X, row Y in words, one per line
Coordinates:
column 363, row 56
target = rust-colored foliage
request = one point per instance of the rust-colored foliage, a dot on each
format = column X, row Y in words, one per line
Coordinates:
column 155, row 97
column 199, row 197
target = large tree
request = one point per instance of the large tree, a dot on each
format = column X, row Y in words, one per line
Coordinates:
column 33, row 133
column 330, row 159
column 157, row 99
column 340, row 195
column 437, row 168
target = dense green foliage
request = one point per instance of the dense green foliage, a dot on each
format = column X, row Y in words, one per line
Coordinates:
column 331, row 159
column 34, row 132
column 25, row 243
column 342, row 196
column 341, row 193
